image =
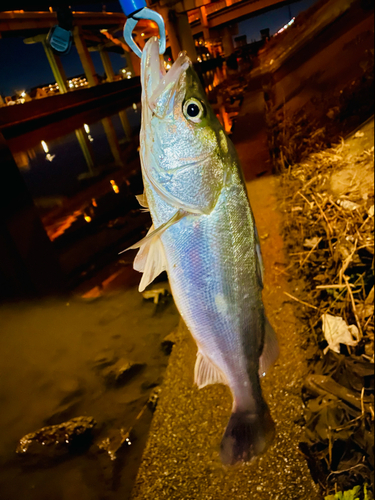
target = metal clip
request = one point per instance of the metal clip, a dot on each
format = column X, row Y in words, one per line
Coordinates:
column 131, row 22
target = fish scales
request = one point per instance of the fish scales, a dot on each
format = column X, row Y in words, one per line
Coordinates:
column 204, row 236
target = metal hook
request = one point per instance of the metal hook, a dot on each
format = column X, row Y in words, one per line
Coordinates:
column 131, row 22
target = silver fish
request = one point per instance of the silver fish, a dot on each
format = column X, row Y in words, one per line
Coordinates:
column 204, row 236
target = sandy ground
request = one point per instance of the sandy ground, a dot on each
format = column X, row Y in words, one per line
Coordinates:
column 181, row 459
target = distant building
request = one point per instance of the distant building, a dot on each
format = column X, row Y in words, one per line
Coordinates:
column 265, row 34
column 240, row 41
column 9, row 100
column 38, row 93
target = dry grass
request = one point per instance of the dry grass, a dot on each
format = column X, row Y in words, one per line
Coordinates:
column 328, row 205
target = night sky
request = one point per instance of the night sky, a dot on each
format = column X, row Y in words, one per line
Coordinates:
column 23, row 67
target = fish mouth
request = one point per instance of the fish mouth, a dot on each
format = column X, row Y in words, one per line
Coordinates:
column 155, row 79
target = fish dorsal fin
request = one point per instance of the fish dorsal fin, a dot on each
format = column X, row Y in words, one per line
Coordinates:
column 271, row 350
column 206, row 373
column 142, row 200
column 150, row 260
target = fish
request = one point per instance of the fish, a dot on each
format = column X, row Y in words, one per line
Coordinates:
column 203, row 235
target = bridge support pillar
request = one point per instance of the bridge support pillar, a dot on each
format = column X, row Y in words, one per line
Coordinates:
column 53, row 59
column 107, row 65
column 56, row 66
column 204, row 22
column 84, row 55
column 92, row 78
column 86, row 148
column 28, row 265
column 227, row 40
column 110, row 77
column 112, row 140
column 179, row 33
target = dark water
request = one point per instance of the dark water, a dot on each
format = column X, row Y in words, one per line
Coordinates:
column 49, row 373
column 59, row 172
column 49, row 350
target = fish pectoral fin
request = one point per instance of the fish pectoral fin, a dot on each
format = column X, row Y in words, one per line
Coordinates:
column 155, row 262
column 157, row 232
column 206, row 373
column 271, row 350
column 150, row 260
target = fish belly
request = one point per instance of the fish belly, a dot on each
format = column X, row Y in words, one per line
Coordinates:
column 213, row 276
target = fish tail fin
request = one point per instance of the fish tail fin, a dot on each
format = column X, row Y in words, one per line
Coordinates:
column 246, row 436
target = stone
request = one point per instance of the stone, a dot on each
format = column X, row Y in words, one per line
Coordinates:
column 57, row 440
column 116, row 441
column 121, row 372
column 104, row 359
column 168, row 342
column 154, row 399
column 155, row 294
column 150, row 384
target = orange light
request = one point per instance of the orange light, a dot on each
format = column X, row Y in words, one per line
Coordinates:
column 115, row 187
column 87, row 218
column 93, row 201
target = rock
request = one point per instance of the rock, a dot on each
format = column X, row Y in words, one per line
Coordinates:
column 56, row 440
column 155, row 294
column 121, row 372
column 154, row 399
column 150, row 384
column 168, row 342
column 118, row 440
column 104, row 359
column 333, row 112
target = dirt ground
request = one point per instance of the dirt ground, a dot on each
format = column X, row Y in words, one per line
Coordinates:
column 181, row 459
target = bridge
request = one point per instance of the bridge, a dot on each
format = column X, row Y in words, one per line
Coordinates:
column 28, row 262
column 104, row 29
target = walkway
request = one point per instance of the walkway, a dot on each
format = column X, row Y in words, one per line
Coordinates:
column 181, row 460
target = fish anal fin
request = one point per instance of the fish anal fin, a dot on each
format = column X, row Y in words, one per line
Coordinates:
column 270, row 351
column 206, row 373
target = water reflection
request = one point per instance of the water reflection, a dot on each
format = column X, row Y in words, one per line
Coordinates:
column 54, row 359
column 214, row 77
column 77, row 155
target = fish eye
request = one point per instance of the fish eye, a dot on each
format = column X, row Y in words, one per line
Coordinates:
column 193, row 110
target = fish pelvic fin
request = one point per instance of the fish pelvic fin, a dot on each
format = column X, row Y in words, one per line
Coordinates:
column 270, row 351
column 206, row 373
column 150, row 260
column 247, row 436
